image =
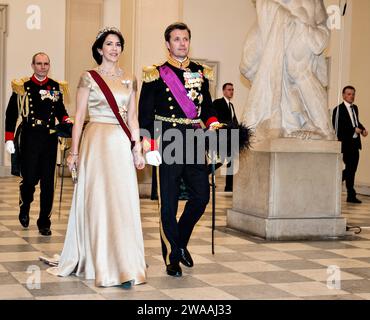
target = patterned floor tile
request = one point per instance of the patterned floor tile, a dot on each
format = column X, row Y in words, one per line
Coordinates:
column 61, row 288
column 227, row 279
column 323, row 274
column 243, row 266
column 278, row 277
column 306, row 289
column 256, row 292
column 14, row 291
column 199, row 294
column 251, row 266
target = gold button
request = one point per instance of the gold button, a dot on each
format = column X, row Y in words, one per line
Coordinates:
column 171, row 107
column 169, row 99
column 47, row 126
column 30, row 99
column 33, row 125
column 174, row 124
column 53, row 88
column 33, row 118
column 28, row 88
column 32, row 112
column 167, row 90
column 173, row 116
column 29, row 94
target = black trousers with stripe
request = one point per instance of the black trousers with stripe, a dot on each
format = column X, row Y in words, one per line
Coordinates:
column 175, row 234
column 38, row 158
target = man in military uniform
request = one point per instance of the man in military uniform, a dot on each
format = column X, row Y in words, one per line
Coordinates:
column 175, row 95
column 39, row 101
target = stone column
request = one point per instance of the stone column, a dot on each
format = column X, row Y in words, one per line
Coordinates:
column 289, row 189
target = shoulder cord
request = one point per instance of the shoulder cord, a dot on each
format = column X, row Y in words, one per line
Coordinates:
column 23, row 106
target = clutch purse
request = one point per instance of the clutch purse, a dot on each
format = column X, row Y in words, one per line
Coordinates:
column 74, row 173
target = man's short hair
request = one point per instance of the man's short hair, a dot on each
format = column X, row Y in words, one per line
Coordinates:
column 348, row 87
column 38, row 53
column 226, row 84
column 174, row 26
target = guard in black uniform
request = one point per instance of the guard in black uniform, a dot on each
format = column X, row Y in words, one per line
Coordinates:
column 161, row 104
column 39, row 100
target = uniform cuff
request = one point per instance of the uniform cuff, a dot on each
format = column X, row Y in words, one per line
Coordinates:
column 9, row 136
column 149, row 145
column 211, row 120
column 66, row 119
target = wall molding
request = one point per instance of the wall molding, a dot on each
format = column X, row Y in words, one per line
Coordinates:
column 3, row 35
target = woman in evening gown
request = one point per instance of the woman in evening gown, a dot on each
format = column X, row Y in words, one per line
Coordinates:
column 104, row 238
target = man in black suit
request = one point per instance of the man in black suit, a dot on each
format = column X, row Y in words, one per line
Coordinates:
column 348, row 129
column 226, row 114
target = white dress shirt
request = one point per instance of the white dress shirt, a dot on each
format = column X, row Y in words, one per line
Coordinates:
column 354, row 120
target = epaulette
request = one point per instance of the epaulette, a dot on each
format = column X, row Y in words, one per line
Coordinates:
column 208, row 72
column 18, row 85
column 150, row 73
column 64, row 87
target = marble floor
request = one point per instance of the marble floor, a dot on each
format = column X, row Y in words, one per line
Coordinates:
column 242, row 267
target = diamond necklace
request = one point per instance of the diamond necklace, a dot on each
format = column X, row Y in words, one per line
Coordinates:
column 110, row 74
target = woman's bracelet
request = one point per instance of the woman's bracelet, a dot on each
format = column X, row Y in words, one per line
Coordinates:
column 73, row 154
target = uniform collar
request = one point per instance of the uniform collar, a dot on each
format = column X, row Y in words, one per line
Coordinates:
column 38, row 82
column 177, row 64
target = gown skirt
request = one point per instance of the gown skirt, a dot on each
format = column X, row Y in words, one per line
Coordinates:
column 104, row 239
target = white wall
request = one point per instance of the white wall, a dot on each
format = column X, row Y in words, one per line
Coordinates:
column 152, row 18
column 359, row 78
column 112, row 13
column 22, row 42
column 219, row 29
column 339, row 52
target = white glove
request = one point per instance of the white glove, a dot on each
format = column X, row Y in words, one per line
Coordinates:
column 153, row 158
column 9, row 145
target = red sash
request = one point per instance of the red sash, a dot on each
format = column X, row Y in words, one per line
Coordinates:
column 112, row 103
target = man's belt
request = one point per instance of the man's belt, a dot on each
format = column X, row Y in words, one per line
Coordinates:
column 38, row 122
column 178, row 120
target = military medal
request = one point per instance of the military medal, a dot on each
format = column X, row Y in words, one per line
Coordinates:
column 193, row 80
column 49, row 94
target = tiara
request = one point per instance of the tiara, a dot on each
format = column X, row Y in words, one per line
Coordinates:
column 107, row 29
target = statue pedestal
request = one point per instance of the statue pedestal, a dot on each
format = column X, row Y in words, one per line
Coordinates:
column 289, row 189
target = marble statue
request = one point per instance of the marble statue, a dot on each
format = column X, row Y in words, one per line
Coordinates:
column 283, row 58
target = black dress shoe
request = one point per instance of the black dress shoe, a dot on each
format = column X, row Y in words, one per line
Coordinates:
column 186, row 259
column 45, row 232
column 354, row 200
column 174, row 270
column 24, row 220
